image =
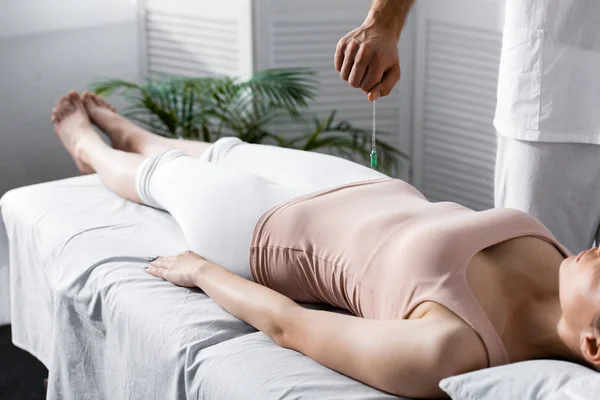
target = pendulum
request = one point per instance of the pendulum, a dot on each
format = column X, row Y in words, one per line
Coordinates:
column 373, row 142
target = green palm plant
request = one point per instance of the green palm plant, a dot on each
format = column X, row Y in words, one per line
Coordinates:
column 208, row 108
column 342, row 139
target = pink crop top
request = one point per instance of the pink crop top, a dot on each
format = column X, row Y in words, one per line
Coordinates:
column 379, row 248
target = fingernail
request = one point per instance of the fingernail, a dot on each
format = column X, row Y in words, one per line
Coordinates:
column 376, row 96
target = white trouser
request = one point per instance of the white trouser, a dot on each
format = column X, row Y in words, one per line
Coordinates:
column 218, row 199
column 558, row 183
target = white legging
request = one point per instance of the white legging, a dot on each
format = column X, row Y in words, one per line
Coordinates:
column 218, row 199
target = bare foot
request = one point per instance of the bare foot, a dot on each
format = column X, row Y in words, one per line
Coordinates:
column 72, row 125
column 95, row 100
column 123, row 134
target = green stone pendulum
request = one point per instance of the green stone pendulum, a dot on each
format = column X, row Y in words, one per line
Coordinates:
column 373, row 142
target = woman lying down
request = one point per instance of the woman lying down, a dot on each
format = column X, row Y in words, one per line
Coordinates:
column 436, row 289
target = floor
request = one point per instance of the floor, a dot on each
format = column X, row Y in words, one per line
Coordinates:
column 21, row 375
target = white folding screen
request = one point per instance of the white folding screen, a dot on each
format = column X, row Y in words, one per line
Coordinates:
column 457, row 56
column 197, row 37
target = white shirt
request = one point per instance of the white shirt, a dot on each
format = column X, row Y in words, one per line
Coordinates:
column 549, row 80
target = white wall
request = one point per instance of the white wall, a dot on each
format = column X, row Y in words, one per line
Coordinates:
column 18, row 17
column 48, row 47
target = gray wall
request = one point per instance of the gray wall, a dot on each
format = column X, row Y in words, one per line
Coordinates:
column 40, row 60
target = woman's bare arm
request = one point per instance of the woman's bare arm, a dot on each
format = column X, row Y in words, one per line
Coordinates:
column 403, row 357
column 257, row 305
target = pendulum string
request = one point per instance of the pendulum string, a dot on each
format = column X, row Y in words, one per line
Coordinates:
column 373, row 142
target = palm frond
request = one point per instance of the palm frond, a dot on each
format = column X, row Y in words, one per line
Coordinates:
column 341, row 138
column 205, row 108
column 289, row 89
column 111, row 86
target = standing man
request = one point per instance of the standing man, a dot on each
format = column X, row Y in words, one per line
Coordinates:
column 548, row 112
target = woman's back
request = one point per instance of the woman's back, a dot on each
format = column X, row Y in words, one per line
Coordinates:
column 380, row 249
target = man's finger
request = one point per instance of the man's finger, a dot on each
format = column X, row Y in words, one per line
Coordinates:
column 361, row 62
column 349, row 55
column 372, row 77
column 339, row 55
column 388, row 81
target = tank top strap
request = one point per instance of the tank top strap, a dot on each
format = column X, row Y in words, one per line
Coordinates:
column 499, row 225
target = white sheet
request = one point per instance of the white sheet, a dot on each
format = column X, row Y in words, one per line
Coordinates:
column 82, row 303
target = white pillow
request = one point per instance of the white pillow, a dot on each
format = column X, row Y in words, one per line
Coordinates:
column 529, row 380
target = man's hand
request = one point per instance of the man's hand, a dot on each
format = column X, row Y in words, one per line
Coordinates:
column 368, row 59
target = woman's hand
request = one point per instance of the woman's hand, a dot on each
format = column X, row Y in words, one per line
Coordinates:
column 181, row 269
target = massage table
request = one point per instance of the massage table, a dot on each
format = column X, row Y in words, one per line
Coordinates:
column 82, row 303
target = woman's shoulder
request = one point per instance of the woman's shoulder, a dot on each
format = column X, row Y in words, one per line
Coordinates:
column 524, row 224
